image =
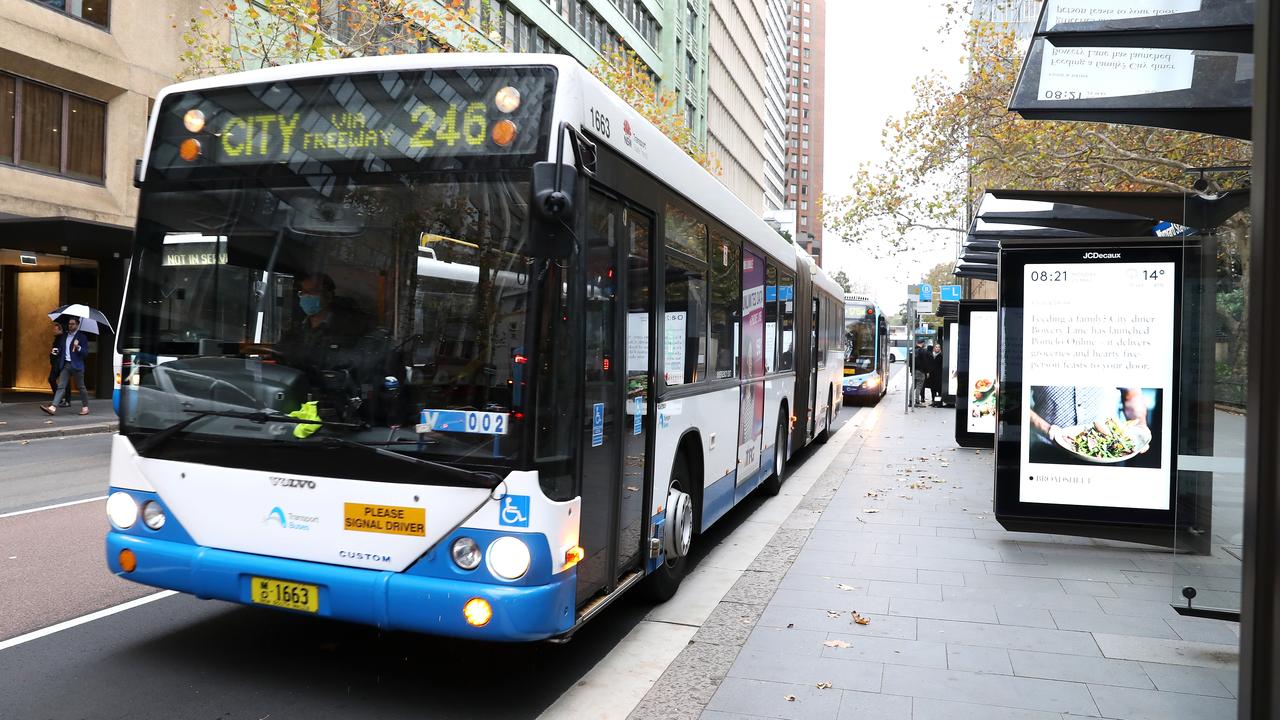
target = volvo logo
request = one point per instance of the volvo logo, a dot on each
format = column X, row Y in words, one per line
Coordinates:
column 1101, row 256
column 293, row 483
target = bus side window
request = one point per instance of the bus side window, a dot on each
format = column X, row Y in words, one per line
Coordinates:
column 787, row 303
column 771, row 305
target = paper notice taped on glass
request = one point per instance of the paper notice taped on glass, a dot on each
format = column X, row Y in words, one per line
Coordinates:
column 1085, row 73
column 673, row 348
column 1065, row 12
column 637, row 342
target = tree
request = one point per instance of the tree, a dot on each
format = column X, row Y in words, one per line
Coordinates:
column 842, row 280
column 958, row 141
column 628, row 76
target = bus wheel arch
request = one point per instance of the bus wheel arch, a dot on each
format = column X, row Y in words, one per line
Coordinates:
column 772, row 485
column 686, row 469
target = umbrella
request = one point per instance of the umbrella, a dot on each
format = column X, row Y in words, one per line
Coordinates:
column 90, row 320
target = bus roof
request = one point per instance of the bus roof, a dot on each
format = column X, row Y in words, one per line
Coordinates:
column 578, row 93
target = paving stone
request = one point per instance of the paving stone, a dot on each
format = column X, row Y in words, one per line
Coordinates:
column 1169, row 652
column 943, row 610
column 687, row 684
column 729, row 624
column 1043, row 601
column 996, row 690
column 1076, row 668
column 1139, row 608
column 940, row 577
column 1007, row 636
column 1131, row 704
column 855, row 705
column 903, row 628
column 1142, row 592
column 783, row 641
column 865, row 573
column 769, row 699
column 1013, row 582
column 754, row 587
column 972, row 658
column 887, row 650
column 955, row 532
column 842, row 674
column 1205, row 630
column 1194, row 680
column 930, row 709
column 1087, row 587
column 884, row 588
column 717, row 715
column 1059, row 570
column 1025, row 617
column 1114, row 624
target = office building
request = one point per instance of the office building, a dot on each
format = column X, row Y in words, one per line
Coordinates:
column 806, row 75
column 76, row 81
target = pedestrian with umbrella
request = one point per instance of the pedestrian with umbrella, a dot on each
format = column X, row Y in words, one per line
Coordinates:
column 81, row 320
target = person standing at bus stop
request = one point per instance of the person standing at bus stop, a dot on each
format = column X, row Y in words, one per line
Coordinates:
column 73, row 349
column 921, row 362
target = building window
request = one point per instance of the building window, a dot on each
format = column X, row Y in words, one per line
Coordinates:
column 59, row 132
column 97, row 12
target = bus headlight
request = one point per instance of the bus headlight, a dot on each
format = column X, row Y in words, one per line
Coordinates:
column 466, row 553
column 873, row 381
column 153, row 515
column 509, row 558
column 122, row 510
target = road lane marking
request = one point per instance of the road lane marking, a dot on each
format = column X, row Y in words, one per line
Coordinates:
column 52, row 507
column 68, row 624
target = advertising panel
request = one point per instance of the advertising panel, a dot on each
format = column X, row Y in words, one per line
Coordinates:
column 751, row 411
column 975, row 376
column 1090, row 379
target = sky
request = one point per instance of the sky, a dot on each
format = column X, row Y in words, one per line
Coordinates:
column 875, row 50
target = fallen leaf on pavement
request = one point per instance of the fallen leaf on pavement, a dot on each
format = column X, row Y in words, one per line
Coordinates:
column 842, row 586
column 861, row 619
column 789, row 698
column 870, row 510
column 25, row 442
column 823, row 686
column 833, row 614
column 836, row 644
column 48, row 422
column 790, row 625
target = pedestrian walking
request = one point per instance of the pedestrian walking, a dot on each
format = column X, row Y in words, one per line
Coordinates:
column 72, row 349
column 55, row 357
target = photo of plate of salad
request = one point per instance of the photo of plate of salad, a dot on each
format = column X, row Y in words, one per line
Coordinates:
column 1106, row 441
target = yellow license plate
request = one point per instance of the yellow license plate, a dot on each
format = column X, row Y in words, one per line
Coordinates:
column 285, row 594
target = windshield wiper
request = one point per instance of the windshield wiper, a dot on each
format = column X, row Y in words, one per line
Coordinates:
column 471, row 478
column 260, row 417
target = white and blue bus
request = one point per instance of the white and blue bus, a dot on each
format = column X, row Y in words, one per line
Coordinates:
column 866, row 348
column 456, row 344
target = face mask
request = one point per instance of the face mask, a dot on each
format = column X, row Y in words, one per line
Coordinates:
column 311, row 304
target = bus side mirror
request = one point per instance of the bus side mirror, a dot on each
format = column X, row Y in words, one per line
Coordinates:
column 552, row 209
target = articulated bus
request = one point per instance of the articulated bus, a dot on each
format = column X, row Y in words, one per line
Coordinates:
column 455, row 344
column 866, row 350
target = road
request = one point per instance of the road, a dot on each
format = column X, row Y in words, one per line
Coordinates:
column 180, row 657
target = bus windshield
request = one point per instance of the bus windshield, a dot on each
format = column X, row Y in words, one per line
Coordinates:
column 860, row 338
column 392, row 307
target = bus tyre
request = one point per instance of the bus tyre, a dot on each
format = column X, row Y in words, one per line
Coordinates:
column 773, row 484
column 825, row 435
column 677, row 536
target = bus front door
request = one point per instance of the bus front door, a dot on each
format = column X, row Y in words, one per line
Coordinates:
column 619, row 399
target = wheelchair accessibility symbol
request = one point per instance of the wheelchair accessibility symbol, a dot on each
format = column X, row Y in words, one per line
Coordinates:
column 515, row 511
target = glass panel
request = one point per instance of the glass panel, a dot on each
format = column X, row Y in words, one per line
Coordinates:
column 7, row 116
column 725, row 294
column 41, row 144
column 685, row 321
column 771, row 320
column 787, row 308
column 86, row 128
column 639, row 392
column 398, row 307
column 686, row 233
column 1205, row 571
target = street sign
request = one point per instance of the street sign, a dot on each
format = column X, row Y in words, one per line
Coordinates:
column 950, row 293
column 926, row 293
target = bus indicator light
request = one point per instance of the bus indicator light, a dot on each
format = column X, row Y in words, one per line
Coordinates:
column 573, row 556
column 189, row 149
column 507, row 99
column 504, row 133
column 477, row 612
column 128, row 561
column 193, row 120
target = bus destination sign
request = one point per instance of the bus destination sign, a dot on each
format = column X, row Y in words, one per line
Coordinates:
column 368, row 120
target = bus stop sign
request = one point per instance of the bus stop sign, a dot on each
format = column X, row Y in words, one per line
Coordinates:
column 926, row 293
column 950, row 293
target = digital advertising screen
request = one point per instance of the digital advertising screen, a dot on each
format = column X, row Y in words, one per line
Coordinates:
column 975, row 380
column 1089, row 377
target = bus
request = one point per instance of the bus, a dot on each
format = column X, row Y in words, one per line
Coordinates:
column 448, row 343
column 899, row 343
column 866, row 348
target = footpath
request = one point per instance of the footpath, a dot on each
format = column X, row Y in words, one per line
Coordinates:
column 21, row 421
column 890, row 593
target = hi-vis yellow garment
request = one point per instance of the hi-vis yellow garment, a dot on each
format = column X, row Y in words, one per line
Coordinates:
column 306, row 412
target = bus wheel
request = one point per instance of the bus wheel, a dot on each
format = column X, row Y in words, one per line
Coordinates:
column 773, row 484
column 677, row 536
